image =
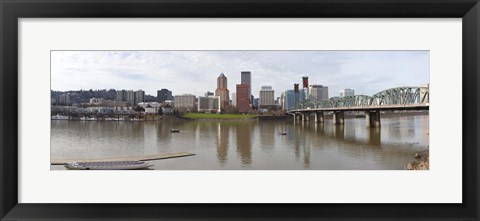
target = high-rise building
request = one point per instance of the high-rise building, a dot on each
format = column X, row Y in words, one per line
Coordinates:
column 246, row 78
column 65, row 99
column 139, row 97
column 290, row 100
column 317, row 92
column 163, row 95
column 347, row 92
column 267, row 96
column 243, row 98
column 255, row 103
column 187, row 101
column 222, row 91
column 121, row 96
column 130, row 98
column 209, row 104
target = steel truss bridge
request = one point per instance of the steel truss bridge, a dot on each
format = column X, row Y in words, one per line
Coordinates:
column 400, row 98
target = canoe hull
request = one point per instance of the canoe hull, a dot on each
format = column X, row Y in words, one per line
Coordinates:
column 108, row 165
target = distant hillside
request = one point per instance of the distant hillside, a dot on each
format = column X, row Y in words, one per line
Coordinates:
column 84, row 96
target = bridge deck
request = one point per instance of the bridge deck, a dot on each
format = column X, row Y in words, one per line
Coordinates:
column 365, row 108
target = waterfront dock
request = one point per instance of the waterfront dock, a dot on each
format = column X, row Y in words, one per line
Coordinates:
column 142, row 158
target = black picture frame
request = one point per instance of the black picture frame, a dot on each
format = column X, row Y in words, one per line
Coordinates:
column 12, row 10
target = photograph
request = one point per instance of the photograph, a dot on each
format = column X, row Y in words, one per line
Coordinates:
column 239, row 110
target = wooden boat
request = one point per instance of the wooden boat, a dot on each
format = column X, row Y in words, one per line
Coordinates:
column 174, row 130
column 108, row 165
column 281, row 133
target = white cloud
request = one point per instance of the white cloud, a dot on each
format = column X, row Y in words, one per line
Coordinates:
column 196, row 72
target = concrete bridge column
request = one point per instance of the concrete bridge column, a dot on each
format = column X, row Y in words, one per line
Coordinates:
column 319, row 117
column 372, row 118
column 296, row 116
column 306, row 116
column 338, row 117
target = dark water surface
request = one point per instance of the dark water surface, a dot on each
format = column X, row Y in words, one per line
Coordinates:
column 248, row 144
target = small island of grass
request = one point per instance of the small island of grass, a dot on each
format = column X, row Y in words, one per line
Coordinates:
column 218, row 116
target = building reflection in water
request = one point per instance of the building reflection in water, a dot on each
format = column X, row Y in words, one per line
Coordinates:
column 301, row 145
column 223, row 133
column 244, row 142
column 267, row 135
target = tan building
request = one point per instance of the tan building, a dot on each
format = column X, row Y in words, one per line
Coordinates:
column 187, row 101
column 267, row 96
column 222, row 91
column 317, row 92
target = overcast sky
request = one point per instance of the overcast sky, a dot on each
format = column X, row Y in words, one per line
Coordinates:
column 196, row 72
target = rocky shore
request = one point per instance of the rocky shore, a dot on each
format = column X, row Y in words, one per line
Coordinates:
column 421, row 161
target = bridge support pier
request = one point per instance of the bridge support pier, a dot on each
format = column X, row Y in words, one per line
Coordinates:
column 296, row 117
column 305, row 116
column 319, row 117
column 372, row 118
column 338, row 117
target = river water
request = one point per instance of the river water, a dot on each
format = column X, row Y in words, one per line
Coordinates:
column 255, row 145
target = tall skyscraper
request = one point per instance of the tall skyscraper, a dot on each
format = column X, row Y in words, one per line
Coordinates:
column 317, row 92
column 130, row 97
column 139, row 96
column 267, row 96
column 290, row 101
column 121, row 96
column 65, row 99
column 222, row 91
column 243, row 98
column 163, row 95
column 347, row 92
column 246, row 78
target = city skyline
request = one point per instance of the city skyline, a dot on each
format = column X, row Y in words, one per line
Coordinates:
column 196, row 72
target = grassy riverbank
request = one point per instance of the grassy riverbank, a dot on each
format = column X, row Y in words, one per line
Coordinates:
column 218, row 116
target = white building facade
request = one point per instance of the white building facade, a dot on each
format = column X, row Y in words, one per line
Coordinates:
column 317, row 92
column 267, row 96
